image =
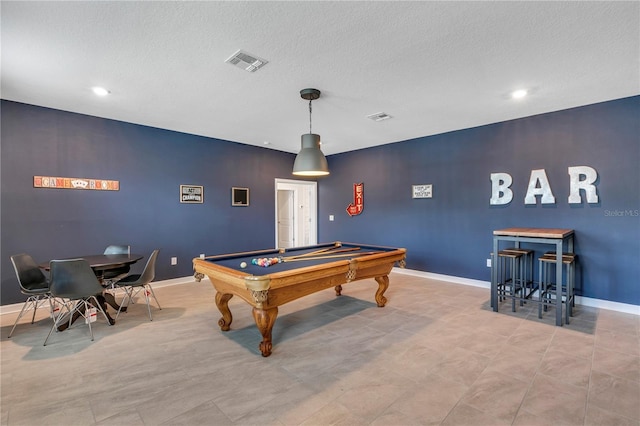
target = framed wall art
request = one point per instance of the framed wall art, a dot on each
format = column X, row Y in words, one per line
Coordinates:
column 421, row 191
column 191, row 194
column 239, row 196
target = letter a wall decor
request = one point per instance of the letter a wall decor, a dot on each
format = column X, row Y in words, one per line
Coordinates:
column 357, row 206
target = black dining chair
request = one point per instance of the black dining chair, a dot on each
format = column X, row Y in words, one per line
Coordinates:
column 111, row 276
column 135, row 283
column 74, row 281
column 33, row 283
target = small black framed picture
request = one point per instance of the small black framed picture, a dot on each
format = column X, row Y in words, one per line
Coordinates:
column 239, row 196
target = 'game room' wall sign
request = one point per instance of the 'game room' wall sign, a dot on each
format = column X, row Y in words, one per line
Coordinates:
column 75, row 183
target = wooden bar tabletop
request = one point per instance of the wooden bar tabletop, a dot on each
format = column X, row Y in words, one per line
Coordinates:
column 534, row 232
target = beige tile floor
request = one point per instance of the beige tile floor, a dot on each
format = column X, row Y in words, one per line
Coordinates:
column 436, row 354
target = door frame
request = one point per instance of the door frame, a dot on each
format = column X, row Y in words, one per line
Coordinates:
column 298, row 186
column 287, row 238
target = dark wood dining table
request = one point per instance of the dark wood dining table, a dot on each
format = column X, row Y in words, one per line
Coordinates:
column 103, row 262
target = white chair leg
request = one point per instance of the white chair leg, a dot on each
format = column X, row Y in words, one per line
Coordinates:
column 99, row 307
column 60, row 316
column 87, row 306
column 154, row 296
column 146, row 298
column 131, row 292
column 52, row 327
column 24, row 306
column 128, row 297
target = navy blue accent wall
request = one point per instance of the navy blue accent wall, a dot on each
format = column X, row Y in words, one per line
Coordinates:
column 451, row 233
column 145, row 213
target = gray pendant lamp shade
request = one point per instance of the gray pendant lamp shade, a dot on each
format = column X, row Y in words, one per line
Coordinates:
column 310, row 160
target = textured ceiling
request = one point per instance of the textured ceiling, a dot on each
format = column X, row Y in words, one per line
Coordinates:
column 432, row 66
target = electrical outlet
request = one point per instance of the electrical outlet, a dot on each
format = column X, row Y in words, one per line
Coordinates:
column 174, row 261
column 330, row 218
column 488, row 263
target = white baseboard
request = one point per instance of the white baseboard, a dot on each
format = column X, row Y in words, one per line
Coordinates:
column 173, row 281
column 447, row 278
column 14, row 308
column 585, row 301
column 580, row 300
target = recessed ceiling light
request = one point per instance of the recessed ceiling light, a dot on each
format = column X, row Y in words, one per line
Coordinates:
column 266, row 143
column 518, row 94
column 100, row 91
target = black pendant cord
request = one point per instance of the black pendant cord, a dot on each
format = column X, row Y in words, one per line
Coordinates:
column 310, row 132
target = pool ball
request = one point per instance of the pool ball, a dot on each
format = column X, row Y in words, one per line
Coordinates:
column 243, row 265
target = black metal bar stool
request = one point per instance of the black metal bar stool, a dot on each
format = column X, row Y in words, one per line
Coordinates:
column 525, row 277
column 509, row 281
column 549, row 290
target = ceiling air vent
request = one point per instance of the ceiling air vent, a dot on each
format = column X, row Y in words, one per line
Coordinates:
column 379, row 116
column 246, row 61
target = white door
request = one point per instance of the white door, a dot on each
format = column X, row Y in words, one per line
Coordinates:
column 302, row 215
column 286, row 222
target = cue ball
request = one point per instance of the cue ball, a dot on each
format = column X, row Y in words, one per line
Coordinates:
column 243, row 265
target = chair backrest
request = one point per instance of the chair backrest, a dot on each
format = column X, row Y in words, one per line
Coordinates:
column 116, row 249
column 73, row 279
column 29, row 274
column 149, row 272
column 113, row 273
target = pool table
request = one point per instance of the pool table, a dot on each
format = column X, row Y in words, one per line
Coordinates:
column 301, row 271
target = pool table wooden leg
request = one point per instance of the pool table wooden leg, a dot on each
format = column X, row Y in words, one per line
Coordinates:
column 383, row 284
column 265, row 318
column 222, row 302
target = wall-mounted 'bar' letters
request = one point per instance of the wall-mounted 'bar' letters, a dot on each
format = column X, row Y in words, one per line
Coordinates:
column 580, row 178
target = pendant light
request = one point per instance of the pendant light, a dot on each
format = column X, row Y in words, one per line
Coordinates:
column 310, row 160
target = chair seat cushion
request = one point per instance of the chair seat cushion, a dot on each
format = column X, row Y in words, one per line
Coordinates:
column 38, row 290
column 129, row 280
column 112, row 273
